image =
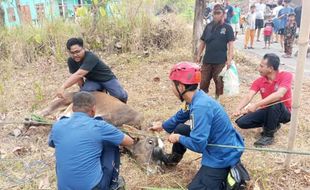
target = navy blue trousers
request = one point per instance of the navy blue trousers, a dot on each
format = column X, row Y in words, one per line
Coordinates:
column 268, row 118
column 110, row 162
column 113, row 87
column 207, row 178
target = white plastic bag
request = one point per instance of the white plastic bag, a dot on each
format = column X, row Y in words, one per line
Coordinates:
column 231, row 80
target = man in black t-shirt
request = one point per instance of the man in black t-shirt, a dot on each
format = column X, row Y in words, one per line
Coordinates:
column 217, row 38
column 86, row 65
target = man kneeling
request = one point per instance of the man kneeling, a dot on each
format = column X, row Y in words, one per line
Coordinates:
column 87, row 152
column 210, row 124
column 274, row 107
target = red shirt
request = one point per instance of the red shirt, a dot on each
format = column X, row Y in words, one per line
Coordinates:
column 283, row 79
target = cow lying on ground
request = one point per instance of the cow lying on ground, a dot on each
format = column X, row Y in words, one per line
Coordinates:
column 111, row 109
column 147, row 148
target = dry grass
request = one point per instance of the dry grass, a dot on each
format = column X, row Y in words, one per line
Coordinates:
column 155, row 100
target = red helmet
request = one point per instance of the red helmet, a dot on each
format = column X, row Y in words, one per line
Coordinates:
column 186, row 73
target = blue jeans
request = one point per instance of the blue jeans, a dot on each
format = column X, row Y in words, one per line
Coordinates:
column 113, row 87
column 110, row 162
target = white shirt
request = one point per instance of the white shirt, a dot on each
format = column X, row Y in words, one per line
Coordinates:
column 250, row 21
column 260, row 10
column 276, row 10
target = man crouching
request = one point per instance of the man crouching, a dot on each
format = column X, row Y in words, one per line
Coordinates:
column 86, row 148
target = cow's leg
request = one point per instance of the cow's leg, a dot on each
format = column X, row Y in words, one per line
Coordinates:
column 57, row 103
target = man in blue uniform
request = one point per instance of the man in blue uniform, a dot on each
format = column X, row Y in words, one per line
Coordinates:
column 209, row 125
column 86, row 148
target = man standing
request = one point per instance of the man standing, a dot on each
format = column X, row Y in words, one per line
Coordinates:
column 229, row 12
column 298, row 11
column 235, row 21
column 283, row 15
column 209, row 124
column 216, row 38
column 86, row 148
column 84, row 64
column 260, row 14
column 274, row 107
column 276, row 21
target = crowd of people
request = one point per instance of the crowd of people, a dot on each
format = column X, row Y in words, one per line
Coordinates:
column 278, row 23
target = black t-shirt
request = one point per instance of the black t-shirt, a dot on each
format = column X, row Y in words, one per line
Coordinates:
column 97, row 69
column 216, row 37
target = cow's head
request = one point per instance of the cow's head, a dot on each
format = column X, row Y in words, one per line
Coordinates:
column 147, row 151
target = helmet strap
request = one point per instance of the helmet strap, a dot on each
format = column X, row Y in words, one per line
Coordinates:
column 180, row 94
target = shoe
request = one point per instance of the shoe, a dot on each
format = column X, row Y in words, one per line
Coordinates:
column 172, row 159
column 119, row 185
column 264, row 141
column 276, row 129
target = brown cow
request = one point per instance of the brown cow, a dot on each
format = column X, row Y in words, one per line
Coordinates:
column 147, row 149
column 111, row 109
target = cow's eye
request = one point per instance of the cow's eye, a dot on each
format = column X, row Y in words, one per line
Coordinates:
column 150, row 142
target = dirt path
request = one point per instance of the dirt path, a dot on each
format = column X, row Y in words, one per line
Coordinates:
column 286, row 63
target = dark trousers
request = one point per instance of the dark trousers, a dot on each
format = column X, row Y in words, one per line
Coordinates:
column 212, row 71
column 181, row 129
column 269, row 118
column 288, row 45
column 110, row 162
column 207, row 178
column 113, row 87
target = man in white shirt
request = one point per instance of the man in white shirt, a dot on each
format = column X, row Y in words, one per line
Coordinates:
column 260, row 13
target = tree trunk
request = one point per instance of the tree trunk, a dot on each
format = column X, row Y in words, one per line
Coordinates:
column 198, row 25
column 1, row 16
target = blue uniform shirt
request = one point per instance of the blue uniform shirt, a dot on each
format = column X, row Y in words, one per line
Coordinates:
column 284, row 11
column 78, row 143
column 210, row 125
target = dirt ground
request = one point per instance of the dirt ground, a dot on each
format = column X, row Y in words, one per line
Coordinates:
column 28, row 163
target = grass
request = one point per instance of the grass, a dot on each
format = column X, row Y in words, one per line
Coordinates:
column 33, row 66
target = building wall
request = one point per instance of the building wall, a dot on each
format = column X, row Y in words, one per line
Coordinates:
column 10, row 8
column 31, row 11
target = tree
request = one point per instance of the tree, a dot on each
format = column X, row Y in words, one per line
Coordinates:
column 1, row 16
column 198, row 25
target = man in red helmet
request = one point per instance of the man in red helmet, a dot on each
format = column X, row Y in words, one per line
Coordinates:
column 209, row 124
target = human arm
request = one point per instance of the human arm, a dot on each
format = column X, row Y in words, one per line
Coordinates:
column 201, row 124
column 244, row 102
column 201, row 47
column 230, row 53
column 274, row 97
column 110, row 133
column 180, row 117
column 283, row 86
column 73, row 79
column 127, row 141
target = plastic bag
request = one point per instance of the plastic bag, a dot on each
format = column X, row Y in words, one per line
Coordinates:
column 231, row 80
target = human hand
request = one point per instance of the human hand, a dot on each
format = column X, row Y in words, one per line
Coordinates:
column 156, row 126
column 60, row 92
column 174, row 138
column 237, row 113
column 252, row 108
